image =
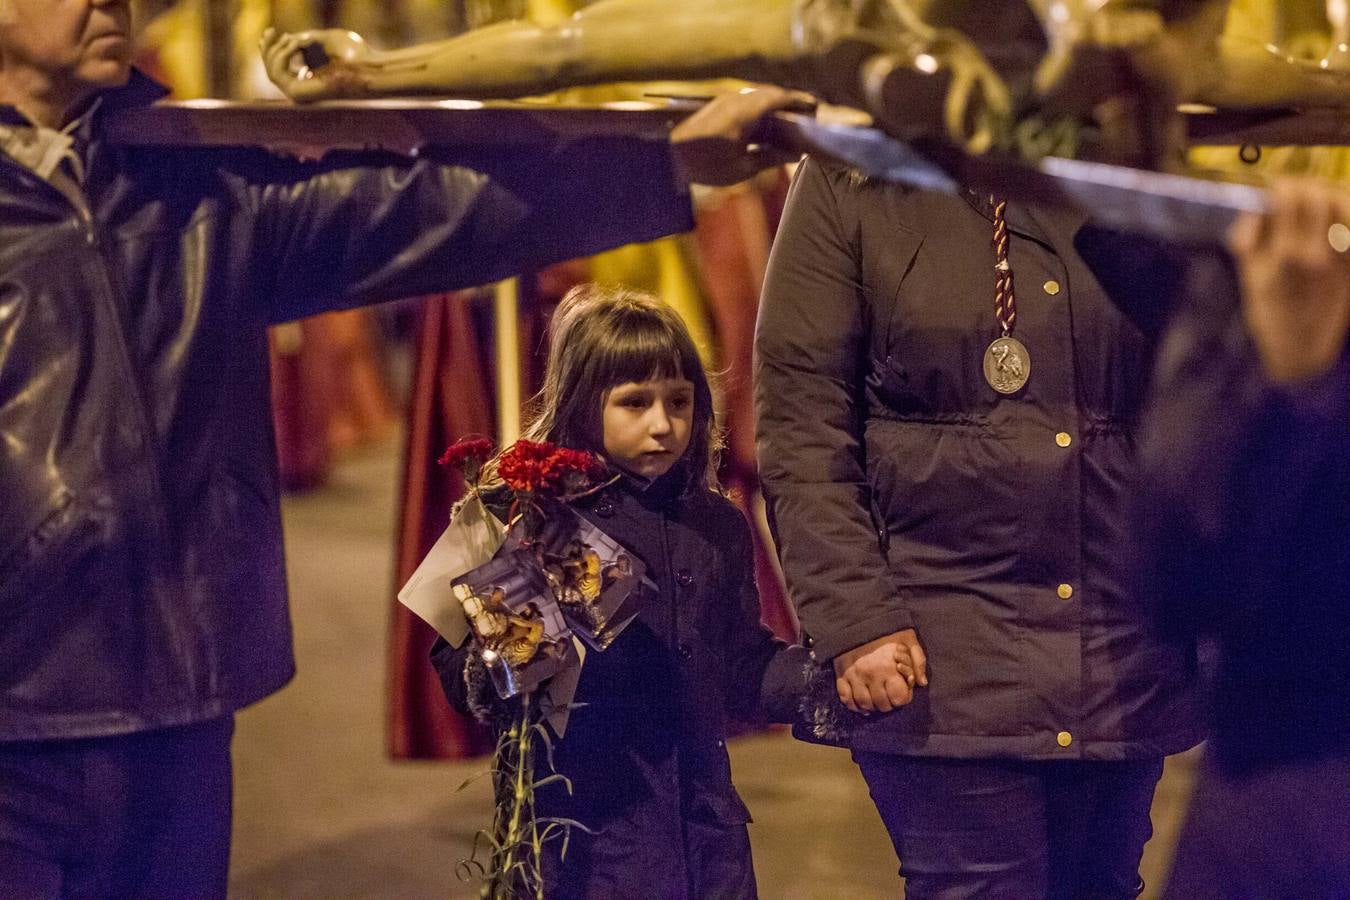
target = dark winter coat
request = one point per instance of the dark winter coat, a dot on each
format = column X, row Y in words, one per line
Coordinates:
column 646, row 749
column 1245, row 503
column 906, row 493
column 141, row 575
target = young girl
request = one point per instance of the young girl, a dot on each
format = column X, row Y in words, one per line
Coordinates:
column 645, row 747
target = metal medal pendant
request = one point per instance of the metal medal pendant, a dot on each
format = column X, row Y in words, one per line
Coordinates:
column 1007, row 365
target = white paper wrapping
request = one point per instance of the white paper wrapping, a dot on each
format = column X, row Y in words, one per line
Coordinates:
column 471, row 539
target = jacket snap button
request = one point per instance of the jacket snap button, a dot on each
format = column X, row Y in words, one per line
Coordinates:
column 684, row 578
column 685, row 651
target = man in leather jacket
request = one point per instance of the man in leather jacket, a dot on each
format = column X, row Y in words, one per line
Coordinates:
column 142, row 588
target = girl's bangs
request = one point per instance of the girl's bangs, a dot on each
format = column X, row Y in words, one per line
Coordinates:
column 640, row 354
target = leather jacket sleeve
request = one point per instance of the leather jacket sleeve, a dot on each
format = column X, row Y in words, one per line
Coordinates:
column 811, row 348
column 361, row 228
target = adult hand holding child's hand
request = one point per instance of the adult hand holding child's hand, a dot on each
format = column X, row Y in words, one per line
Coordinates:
column 881, row 674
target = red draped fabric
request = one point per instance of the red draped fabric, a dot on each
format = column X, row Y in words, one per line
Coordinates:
column 451, row 397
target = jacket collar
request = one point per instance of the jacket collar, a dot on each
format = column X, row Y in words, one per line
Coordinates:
column 140, row 90
column 1055, row 227
column 655, row 493
column 1018, row 216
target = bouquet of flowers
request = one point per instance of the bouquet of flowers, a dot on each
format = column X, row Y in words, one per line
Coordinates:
column 521, row 592
column 554, row 576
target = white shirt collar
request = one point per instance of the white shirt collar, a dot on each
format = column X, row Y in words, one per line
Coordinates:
column 42, row 149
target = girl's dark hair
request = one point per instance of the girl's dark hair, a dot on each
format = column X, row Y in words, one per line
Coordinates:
column 602, row 337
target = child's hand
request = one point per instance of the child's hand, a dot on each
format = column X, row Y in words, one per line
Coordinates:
column 869, row 678
column 904, row 664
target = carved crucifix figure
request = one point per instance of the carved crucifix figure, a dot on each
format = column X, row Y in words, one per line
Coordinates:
column 916, row 65
column 824, row 46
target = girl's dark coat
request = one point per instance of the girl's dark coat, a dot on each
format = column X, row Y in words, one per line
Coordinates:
column 645, row 749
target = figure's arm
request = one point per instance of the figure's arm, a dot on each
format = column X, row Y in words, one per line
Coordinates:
column 872, row 54
column 613, row 40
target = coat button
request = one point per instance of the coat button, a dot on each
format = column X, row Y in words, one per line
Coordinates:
column 1064, row 439
column 1065, row 591
column 1338, row 236
column 1064, row 739
column 684, row 577
column 1051, row 287
column 685, row 651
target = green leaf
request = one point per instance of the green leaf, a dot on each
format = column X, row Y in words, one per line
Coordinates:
column 472, row 778
column 547, row 780
column 567, row 823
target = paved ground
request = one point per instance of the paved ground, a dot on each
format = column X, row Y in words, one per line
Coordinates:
column 321, row 813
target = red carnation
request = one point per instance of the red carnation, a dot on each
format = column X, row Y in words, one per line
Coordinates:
column 468, row 455
column 531, row 467
column 521, row 466
column 572, row 470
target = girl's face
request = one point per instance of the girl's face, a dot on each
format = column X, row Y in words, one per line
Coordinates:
column 647, row 424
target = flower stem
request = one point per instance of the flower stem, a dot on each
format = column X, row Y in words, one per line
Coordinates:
column 521, row 802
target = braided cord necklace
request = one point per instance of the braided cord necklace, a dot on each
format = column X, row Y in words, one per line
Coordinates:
column 1007, row 364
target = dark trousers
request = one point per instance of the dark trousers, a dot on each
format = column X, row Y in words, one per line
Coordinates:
column 1283, row 831
column 143, row 815
column 1010, row 829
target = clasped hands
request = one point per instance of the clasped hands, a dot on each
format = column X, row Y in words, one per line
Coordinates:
column 882, row 674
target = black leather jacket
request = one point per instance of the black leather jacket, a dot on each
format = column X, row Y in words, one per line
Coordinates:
column 141, row 576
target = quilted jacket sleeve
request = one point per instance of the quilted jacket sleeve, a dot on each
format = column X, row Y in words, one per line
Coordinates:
column 811, row 347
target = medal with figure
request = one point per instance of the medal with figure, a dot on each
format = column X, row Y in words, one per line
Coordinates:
column 1007, row 364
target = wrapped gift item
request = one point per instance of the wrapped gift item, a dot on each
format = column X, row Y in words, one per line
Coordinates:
column 472, row 538
column 516, row 620
column 600, row 586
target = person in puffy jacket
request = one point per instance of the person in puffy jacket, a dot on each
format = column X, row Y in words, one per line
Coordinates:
column 645, row 747
column 947, row 403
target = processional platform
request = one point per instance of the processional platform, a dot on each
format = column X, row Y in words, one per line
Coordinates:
column 1175, row 207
